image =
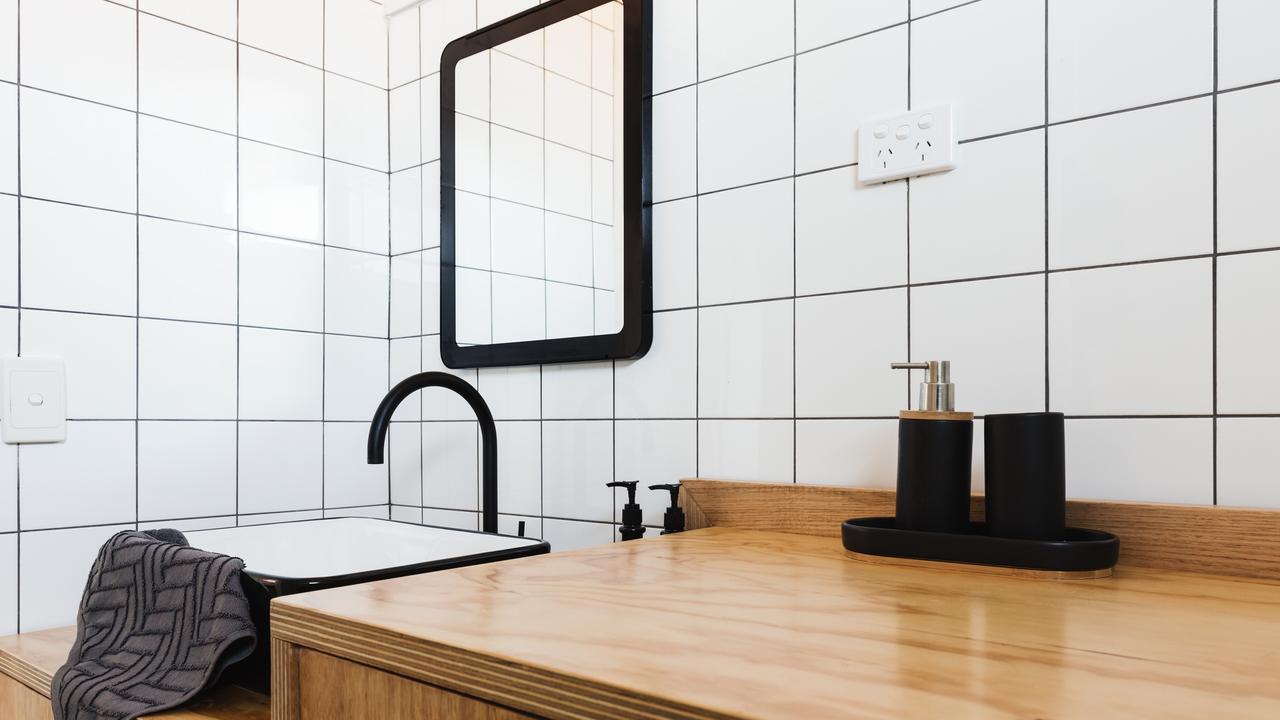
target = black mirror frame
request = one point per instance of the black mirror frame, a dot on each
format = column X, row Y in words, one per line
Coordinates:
column 636, row 335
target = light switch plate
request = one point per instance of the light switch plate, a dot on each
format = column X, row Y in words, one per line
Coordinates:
column 33, row 400
column 913, row 143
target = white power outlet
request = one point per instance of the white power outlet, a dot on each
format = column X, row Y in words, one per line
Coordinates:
column 915, row 143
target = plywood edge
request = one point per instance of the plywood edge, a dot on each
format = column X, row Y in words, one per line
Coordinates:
column 503, row 681
column 1241, row 542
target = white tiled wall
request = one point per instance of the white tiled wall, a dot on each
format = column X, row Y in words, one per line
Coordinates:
column 194, row 213
column 1107, row 248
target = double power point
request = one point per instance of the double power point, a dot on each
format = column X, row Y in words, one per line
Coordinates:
column 915, row 143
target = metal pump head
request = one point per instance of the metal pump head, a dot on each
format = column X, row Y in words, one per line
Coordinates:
column 937, row 393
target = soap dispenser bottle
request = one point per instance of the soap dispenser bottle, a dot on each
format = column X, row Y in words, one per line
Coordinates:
column 935, row 454
column 632, row 527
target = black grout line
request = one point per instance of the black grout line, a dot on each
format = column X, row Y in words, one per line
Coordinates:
column 137, row 267
column 17, row 451
column 1045, row 210
column 1214, row 265
column 795, row 132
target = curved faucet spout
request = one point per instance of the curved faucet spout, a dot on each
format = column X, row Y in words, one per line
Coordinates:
column 488, row 433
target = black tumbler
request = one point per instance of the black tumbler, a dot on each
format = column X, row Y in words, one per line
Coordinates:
column 1026, row 476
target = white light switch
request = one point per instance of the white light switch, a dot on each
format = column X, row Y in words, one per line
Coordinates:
column 33, row 400
column 923, row 141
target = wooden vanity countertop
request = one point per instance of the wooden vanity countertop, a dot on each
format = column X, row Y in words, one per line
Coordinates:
column 722, row 622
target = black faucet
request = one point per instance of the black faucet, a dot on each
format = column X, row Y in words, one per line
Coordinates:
column 488, row 433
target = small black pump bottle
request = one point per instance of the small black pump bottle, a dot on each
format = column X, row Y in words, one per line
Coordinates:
column 935, row 454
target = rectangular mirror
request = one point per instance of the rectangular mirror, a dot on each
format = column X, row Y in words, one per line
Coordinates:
column 544, row 180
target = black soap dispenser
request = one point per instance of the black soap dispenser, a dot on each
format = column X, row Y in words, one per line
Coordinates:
column 632, row 527
column 673, row 518
column 935, row 454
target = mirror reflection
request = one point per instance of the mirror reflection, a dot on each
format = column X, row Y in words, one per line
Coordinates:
column 538, row 184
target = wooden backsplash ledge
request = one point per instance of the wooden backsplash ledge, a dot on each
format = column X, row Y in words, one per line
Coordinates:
column 1198, row 538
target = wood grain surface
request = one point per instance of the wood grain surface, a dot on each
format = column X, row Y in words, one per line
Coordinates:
column 1196, row 538
column 723, row 622
column 32, row 659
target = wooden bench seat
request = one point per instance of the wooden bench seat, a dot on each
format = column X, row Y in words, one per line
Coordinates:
column 28, row 662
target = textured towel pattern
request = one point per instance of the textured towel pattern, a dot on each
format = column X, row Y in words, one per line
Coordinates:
column 158, row 623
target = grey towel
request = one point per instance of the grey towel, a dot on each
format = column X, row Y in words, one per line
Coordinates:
column 158, row 623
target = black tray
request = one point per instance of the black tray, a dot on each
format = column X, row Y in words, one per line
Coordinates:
column 1081, row 551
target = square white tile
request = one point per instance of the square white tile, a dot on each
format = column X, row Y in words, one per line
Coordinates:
column 1103, row 55
column 1108, row 326
column 185, row 173
column 747, row 450
column 1248, row 165
column 568, row 112
column 9, row 581
column 849, row 236
column 186, row 272
column 9, row 138
column 405, row 456
column 170, row 354
column 406, row 295
column 8, row 488
column 281, row 283
column 746, row 243
column 513, row 393
column 745, row 127
column 819, row 22
column 518, row 94
column 1160, row 206
column 76, row 258
column 675, row 254
column 457, row 519
column 577, row 390
column 281, row 192
column 215, row 16
column 281, row 101
column 451, row 465
column 186, row 75
column 401, row 513
column 1246, row 302
column 988, row 59
column 355, row 122
column 430, row 312
column 568, row 181
column 993, row 333
column 1167, row 460
column 509, row 237
column 844, row 344
column 355, row 40
column 83, row 48
column 54, row 565
column 662, row 384
column 570, row 310
column 675, row 144
column 405, row 121
column 406, row 210
column 78, row 152
column 566, row 535
column 517, row 170
column 675, row 44
column 403, row 53
column 654, row 452
column 293, row 28
column 745, row 360
column 356, row 207
column 9, row 43
column 474, row 320
column 186, row 469
column 736, row 34
column 100, row 356
column 843, row 86
column 1245, row 474
column 356, row 289
column 8, row 251
column 281, row 375
column 567, row 49
column 430, row 113
column 88, row 480
column 577, row 461
column 1247, row 52
column 355, row 371
column 986, row 219
column 280, row 466
column 518, row 304
column 349, row 480
column 851, row 453
column 520, row 473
